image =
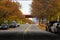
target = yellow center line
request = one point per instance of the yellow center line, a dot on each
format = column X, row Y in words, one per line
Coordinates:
column 27, row 29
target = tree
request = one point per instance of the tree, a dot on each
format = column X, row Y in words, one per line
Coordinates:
column 44, row 9
column 9, row 9
column 55, row 17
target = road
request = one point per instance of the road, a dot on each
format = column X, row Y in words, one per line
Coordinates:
column 24, row 28
column 26, row 32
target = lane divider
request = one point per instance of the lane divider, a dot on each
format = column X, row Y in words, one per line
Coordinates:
column 26, row 30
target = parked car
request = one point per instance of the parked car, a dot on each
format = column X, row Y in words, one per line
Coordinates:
column 48, row 26
column 18, row 25
column 53, row 26
column 58, row 28
column 13, row 24
column 4, row 26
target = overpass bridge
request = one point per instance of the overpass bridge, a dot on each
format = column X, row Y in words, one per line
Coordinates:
column 29, row 16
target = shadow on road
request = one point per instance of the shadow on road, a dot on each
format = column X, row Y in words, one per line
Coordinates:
column 28, row 36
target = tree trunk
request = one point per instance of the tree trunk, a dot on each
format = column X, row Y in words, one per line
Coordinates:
column 39, row 21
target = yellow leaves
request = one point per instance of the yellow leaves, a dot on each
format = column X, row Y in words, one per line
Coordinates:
column 53, row 18
column 10, row 11
column 58, row 14
column 11, row 18
column 58, row 3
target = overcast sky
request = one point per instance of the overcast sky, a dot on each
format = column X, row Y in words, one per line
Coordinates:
column 25, row 6
column 23, row 0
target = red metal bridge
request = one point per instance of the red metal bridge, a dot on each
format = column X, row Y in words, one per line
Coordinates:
column 29, row 16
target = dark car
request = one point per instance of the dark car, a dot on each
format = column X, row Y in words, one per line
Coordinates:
column 58, row 28
column 52, row 26
column 18, row 25
column 13, row 24
column 48, row 27
column 4, row 26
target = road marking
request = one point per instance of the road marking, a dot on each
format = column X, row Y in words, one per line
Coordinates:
column 27, row 29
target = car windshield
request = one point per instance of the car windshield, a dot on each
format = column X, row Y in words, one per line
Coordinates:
column 29, row 19
column 3, row 24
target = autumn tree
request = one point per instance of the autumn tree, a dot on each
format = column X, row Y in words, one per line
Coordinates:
column 44, row 9
column 55, row 17
column 9, row 9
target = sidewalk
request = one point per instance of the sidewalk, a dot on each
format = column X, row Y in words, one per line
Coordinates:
column 42, row 26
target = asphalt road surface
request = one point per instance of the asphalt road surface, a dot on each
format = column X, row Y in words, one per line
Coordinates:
column 27, row 32
column 24, row 28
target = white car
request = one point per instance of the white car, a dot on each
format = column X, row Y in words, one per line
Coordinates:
column 13, row 24
column 54, row 27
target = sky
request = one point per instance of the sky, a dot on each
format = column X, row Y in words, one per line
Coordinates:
column 25, row 6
